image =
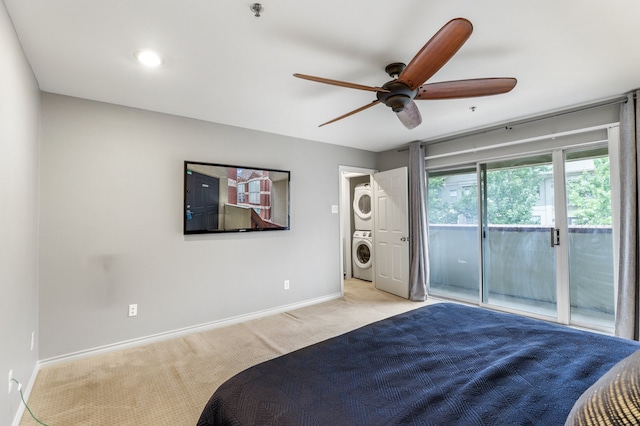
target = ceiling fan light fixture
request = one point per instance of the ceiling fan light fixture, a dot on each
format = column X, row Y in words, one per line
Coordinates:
column 397, row 102
column 148, row 58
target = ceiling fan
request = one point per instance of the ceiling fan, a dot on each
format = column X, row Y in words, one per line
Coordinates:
column 408, row 82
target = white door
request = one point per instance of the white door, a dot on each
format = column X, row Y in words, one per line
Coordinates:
column 391, row 231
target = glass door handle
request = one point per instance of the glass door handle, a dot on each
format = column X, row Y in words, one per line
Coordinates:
column 555, row 237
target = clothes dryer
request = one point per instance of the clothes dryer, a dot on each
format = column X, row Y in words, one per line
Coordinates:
column 362, row 207
column 362, row 255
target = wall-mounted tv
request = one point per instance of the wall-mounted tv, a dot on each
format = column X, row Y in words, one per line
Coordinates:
column 228, row 198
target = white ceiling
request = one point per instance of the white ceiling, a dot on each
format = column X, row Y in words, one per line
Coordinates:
column 224, row 65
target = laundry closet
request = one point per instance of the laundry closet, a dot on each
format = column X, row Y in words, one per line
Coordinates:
column 374, row 227
column 361, row 224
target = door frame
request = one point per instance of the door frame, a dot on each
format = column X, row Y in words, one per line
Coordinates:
column 345, row 173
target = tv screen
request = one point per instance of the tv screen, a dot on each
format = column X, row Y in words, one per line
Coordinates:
column 227, row 198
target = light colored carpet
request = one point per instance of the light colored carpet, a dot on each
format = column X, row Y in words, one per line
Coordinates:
column 168, row 383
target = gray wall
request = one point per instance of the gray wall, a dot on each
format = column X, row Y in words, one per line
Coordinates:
column 111, row 225
column 393, row 159
column 19, row 108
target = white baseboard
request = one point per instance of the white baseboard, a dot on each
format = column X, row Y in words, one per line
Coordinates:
column 26, row 391
column 180, row 332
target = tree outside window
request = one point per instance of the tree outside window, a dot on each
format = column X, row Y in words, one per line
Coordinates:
column 514, row 193
column 589, row 195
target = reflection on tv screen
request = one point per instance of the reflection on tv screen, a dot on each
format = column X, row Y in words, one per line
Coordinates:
column 225, row 198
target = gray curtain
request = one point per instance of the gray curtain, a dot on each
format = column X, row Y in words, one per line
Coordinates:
column 627, row 313
column 419, row 271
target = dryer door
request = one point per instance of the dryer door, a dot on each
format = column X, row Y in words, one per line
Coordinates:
column 362, row 254
column 362, row 204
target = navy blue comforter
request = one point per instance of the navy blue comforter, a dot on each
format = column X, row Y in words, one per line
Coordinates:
column 444, row 364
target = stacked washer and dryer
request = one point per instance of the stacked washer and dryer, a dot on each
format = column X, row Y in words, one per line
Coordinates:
column 362, row 254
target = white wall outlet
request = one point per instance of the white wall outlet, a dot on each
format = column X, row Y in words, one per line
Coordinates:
column 286, row 284
column 10, row 380
column 33, row 339
column 133, row 310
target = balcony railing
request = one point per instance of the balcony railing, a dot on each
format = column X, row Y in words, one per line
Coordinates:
column 517, row 266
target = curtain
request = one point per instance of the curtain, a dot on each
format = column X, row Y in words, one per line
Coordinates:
column 419, row 270
column 627, row 312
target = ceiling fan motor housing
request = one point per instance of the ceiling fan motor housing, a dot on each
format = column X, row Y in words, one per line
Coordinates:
column 398, row 97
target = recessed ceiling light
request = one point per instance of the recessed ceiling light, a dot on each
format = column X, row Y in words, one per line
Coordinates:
column 149, row 58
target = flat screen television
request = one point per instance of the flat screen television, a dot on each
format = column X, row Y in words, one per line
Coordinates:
column 228, row 198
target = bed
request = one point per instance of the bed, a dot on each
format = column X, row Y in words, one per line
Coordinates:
column 441, row 364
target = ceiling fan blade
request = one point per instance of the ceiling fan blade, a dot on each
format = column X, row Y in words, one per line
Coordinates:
column 437, row 52
column 410, row 116
column 466, row 88
column 340, row 83
column 355, row 111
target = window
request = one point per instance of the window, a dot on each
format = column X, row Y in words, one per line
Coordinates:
column 242, row 193
column 254, row 192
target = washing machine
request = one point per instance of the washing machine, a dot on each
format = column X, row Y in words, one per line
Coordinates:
column 362, row 255
column 362, row 207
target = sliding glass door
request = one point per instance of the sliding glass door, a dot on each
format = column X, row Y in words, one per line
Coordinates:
column 590, row 239
column 518, row 211
column 453, row 233
column 530, row 234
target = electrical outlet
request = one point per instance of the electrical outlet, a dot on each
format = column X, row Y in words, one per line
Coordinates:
column 286, row 284
column 133, row 310
column 10, row 380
